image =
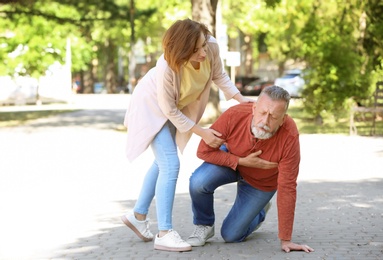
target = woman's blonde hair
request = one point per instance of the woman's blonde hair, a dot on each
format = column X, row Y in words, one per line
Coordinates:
column 180, row 41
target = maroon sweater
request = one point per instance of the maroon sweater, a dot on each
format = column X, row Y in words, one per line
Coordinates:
column 235, row 126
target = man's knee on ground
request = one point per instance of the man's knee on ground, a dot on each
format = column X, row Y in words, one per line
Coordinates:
column 229, row 237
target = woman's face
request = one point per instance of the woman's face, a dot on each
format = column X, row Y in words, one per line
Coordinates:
column 200, row 50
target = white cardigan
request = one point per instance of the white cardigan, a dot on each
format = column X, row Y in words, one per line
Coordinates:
column 155, row 99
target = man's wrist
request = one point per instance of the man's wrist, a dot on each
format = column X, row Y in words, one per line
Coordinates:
column 239, row 162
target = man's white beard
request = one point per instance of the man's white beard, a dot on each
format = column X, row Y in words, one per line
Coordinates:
column 260, row 132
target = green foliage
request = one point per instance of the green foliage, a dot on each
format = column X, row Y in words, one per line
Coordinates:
column 305, row 121
column 339, row 42
column 40, row 32
column 334, row 123
column 337, row 70
column 35, row 42
column 101, row 34
column 8, row 119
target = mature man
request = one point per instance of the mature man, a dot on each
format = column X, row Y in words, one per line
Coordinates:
column 261, row 153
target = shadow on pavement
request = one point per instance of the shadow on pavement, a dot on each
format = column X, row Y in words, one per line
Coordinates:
column 340, row 220
column 97, row 119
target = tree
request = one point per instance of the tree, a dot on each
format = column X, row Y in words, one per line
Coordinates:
column 341, row 64
column 252, row 26
column 204, row 11
column 25, row 47
column 96, row 29
column 340, row 44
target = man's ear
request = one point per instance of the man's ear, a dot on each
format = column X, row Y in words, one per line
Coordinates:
column 284, row 118
column 254, row 106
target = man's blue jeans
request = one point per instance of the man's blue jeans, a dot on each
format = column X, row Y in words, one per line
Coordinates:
column 161, row 178
column 247, row 211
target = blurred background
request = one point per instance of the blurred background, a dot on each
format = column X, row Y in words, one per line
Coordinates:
column 328, row 53
column 67, row 72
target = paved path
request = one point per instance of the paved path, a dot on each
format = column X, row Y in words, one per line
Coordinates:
column 65, row 182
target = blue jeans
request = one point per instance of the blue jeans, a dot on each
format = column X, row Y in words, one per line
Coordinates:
column 161, row 178
column 247, row 211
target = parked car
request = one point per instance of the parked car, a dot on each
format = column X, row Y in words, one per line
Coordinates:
column 292, row 81
column 242, row 81
column 255, row 87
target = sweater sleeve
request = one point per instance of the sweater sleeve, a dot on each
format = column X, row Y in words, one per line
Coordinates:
column 216, row 155
column 287, row 183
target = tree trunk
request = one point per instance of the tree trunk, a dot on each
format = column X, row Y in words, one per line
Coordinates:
column 132, row 60
column 88, row 80
column 110, row 76
column 204, row 11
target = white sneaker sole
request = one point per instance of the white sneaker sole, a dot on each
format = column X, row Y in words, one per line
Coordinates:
column 172, row 249
column 135, row 230
column 200, row 243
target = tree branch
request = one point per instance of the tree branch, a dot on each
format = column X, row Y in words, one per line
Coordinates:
column 60, row 19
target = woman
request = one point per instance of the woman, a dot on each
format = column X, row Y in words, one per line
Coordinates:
column 164, row 110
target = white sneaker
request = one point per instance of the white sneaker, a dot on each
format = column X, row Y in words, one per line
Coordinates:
column 141, row 228
column 171, row 242
column 200, row 235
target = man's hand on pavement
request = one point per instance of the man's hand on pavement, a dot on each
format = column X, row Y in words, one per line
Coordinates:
column 288, row 246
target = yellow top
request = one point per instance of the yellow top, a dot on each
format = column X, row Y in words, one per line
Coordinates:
column 193, row 82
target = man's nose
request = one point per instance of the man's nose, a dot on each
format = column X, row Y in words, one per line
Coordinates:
column 265, row 119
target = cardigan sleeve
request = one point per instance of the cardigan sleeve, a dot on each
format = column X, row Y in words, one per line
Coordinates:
column 168, row 86
column 220, row 77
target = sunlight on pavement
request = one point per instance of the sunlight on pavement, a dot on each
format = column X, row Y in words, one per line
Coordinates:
column 62, row 184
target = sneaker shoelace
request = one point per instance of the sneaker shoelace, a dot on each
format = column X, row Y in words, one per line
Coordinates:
column 199, row 231
column 175, row 236
column 147, row 230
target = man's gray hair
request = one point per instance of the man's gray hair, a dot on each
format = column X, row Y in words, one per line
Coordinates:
column 277, row 93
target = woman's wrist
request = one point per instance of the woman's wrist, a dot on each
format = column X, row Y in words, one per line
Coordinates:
column 238, row 97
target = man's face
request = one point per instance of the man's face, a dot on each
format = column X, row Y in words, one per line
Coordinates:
column 268, row 116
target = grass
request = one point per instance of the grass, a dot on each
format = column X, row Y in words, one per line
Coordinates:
column 15, row 118
column 306, row 123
